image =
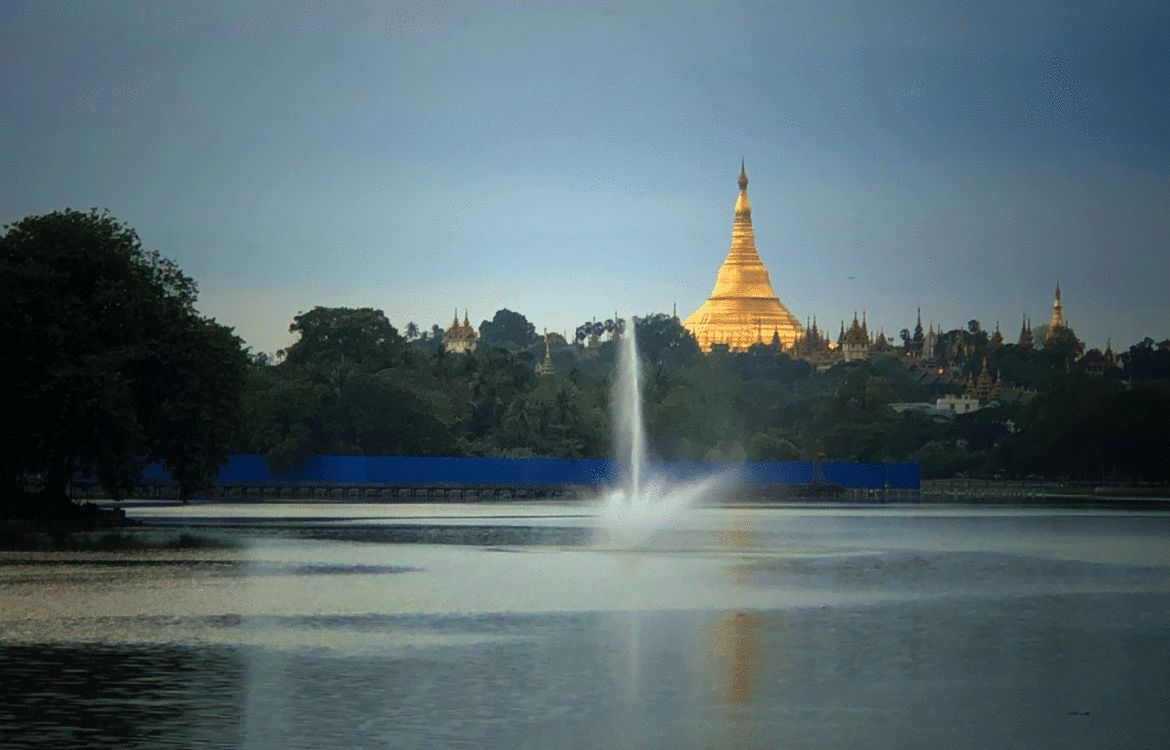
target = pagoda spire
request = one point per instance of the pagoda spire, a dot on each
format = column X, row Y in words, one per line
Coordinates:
column 1057, row 313
column 742, row 207
column 1025, row 332
column 546, row 367
column 996, row 338
column 742, row 274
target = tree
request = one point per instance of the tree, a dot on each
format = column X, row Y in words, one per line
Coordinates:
column 114, row 366
column 1062, row 344
column 351, row 386
column 387, row 414
column 508, row 327
column 282, row 415
column 494, row 379
column 770, row 446
column 335, row 334
column 1089, row 428
column 866, row 391
column 1022, row 365
column 412, row 331
column 1144, row 361
column 762, row 362
column 662, row 340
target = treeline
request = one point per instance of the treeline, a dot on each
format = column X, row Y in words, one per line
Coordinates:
column 352, row 385
column 114, row 368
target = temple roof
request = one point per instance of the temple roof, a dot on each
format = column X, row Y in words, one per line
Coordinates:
column 464, row 330
column 856, row 335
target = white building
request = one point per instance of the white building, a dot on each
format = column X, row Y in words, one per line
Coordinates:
column 956, row 404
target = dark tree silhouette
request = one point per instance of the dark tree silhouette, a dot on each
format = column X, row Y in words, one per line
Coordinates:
column 113, row 365
column 508, row 327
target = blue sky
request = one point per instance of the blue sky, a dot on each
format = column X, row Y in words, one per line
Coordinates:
column 566, row 160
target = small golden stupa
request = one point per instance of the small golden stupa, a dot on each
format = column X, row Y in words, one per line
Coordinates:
column 742, row 309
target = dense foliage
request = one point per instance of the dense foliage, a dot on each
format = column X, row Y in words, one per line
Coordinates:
column 352, row 385
column 364, row 389
column 112, row 366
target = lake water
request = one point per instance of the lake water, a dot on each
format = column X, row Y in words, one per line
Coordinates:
column 522, row 626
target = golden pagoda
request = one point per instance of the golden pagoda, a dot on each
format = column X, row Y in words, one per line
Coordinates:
column 742, row 309
column 1057, row 316
column 546, row 367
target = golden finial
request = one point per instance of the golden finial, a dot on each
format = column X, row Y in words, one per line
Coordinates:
column 743, row 182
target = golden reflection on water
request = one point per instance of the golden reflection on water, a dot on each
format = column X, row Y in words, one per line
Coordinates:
column 734, row 651
column 733, row 644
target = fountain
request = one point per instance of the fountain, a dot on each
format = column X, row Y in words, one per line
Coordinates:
column 643, row 502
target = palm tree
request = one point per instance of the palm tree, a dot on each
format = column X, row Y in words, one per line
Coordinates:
column 411, row 331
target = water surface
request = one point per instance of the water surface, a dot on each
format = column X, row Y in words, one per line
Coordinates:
column 520, row 625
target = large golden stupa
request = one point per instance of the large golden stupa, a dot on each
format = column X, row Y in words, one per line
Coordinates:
column 742, row 309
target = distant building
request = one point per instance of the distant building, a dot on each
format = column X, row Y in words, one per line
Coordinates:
column 460, row 337
column 811, row 345
column 854, row 342
column 956, row 404
column 1096, row 362
column 742, row 309
column 1026, row 333
column 945, row 407
column 545, row 367
column 919, row 346
column 983, row 388
column 996, row 339
column 1057, row 316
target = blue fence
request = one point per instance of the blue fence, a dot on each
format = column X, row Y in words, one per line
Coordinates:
column 408, row 471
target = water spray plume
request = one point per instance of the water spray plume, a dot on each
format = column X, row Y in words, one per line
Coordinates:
column 643, row 503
